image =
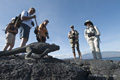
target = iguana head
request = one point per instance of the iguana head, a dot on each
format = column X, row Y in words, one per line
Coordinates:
column 54, row 47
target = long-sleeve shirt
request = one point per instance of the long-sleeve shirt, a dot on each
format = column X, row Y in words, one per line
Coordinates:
column 93, row 30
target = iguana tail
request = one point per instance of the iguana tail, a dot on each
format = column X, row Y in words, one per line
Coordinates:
column 12, row 52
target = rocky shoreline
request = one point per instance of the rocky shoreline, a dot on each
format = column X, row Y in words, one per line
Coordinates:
column 14, row 68
column 98, row 69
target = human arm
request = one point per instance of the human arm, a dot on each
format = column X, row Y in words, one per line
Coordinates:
column 97, row 31
column 16, row 30
column 85, row 34
column 77, row 35
column 46, row 33
column 8, row 28
column 69, row 35
column 24, row 16
column 40, row 27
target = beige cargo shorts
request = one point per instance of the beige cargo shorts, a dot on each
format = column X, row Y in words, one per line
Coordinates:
column 74, row 43
column 10, row 38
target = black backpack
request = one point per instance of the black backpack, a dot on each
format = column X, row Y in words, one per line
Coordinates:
column 36, row 30
column 18, row 21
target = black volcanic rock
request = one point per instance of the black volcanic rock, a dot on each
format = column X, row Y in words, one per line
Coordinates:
column 16, row 68
column 13, row 68
column 98, row 69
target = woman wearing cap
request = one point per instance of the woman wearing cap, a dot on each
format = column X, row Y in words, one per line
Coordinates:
column 73, row 35
column 42, row 32
column 92, row 36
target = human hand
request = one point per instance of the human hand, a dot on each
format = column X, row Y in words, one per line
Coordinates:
column 15, row 31
column 47, row 37
column 34, row 16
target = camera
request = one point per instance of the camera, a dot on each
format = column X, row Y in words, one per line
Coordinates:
column 91, row 34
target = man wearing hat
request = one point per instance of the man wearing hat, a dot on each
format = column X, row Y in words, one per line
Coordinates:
column 92, row 35
column 73, row 36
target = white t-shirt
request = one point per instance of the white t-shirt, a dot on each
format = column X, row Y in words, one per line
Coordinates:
column 27, row 22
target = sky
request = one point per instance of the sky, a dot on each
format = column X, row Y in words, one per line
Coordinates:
column 105, row 14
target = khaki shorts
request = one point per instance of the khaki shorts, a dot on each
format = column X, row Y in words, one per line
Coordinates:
column 10, row 38
column 74, row 44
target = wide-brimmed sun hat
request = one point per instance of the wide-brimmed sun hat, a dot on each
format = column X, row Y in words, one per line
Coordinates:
column 88, row 21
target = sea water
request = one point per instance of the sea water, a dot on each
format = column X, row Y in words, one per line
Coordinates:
column 112, row 58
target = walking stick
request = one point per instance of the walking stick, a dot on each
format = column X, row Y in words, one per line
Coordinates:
column 36, row 22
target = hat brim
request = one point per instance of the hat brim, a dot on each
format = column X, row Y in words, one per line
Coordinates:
column 87, row 23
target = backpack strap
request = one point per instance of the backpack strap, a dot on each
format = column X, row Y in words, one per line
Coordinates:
column 27, row 13
column 76, row 32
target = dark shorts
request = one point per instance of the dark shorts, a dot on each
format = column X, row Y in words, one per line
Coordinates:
column 42, row 38
column 24, row 31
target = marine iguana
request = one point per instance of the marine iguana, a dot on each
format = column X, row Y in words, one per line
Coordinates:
column 37, row 48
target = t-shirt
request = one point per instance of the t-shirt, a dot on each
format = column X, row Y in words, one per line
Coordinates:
column 27, row 22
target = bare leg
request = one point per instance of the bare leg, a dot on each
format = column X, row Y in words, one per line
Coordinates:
column 73, row 49
column 80, row 56
column 11, row 46
column 23, row 42
column 77, row 47
column 6, row 46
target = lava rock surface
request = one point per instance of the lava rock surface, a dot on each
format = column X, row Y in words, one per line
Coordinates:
column 13, row 68
column 17, row 68
column 98, row 69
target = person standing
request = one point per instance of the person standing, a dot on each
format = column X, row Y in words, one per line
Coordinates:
column 10, row 32
column 42, row 32
column 73, row 36
column 26, row 25
column 92, row 35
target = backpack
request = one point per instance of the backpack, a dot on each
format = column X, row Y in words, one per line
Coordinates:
column 36, row 30
column 18, row 21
